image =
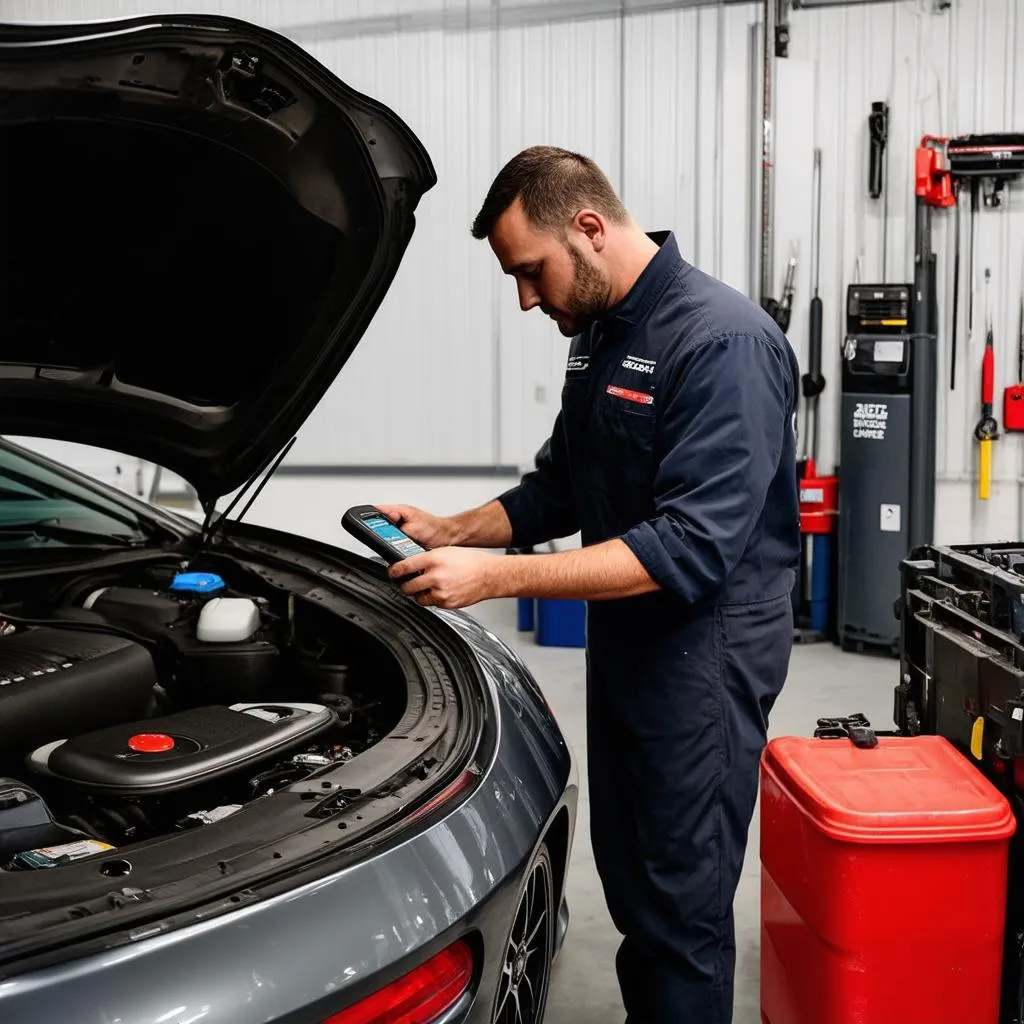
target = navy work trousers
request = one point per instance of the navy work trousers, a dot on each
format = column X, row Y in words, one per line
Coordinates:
column 677, row 721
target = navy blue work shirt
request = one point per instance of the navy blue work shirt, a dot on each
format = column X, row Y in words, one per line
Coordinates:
column 676, row 434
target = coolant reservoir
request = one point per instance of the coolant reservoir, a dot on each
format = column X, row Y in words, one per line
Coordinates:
column 228, row 620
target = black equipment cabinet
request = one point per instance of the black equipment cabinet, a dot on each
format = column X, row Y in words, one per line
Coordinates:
column 875, row 493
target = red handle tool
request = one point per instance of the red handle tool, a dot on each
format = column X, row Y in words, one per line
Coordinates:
column 1013, row 396
column 985, row 431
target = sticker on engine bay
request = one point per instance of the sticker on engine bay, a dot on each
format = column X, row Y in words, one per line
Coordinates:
column 52, row 856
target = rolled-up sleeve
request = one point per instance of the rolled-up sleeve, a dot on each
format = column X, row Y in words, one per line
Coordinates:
column 541, row 508
column 724, row 425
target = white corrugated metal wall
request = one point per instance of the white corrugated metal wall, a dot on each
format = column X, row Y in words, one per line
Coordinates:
column 663, row 100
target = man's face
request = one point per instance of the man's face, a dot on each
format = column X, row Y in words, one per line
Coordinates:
column 563, row 276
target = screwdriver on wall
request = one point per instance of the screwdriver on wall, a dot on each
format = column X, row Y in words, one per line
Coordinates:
column 986, row 429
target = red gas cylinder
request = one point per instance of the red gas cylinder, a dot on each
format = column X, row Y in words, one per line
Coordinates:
column 883, row 883
column 819, row 501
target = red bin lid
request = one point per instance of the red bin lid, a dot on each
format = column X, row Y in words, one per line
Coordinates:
column 907, row 789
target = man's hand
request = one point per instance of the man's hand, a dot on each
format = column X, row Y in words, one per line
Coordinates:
column 450, row 577
column 428, row 530
column 456, row 577
column 483, row 527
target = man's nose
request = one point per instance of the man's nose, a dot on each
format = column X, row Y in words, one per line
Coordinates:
column 528, row 297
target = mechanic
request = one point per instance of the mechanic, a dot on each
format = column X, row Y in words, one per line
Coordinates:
column 674, row 457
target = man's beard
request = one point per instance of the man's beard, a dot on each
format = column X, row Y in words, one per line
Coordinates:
column 589, row 296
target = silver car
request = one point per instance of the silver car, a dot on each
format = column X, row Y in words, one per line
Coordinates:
column 242, row 778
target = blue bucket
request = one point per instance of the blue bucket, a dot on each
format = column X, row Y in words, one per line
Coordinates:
column 560, row 623
column 524, row 614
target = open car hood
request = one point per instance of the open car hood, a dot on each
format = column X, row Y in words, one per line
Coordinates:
column 197, row 223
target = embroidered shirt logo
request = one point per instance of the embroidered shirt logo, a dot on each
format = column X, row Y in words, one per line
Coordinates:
column 577, row 364
column 638, row 365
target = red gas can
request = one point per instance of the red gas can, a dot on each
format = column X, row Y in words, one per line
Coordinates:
column 819, row 501
column 883, row 884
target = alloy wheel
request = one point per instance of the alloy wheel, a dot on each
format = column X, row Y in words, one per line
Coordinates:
column 526, row 965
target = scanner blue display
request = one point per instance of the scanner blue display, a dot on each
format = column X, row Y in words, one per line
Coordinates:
column 387, row 531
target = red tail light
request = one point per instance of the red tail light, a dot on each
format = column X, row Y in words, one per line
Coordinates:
column 450, row 792
column 420, row 996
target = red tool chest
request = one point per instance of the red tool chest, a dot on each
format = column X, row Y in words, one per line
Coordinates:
column 883, row 883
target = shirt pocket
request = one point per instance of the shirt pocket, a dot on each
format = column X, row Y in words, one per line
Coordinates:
column 575, row 402
column 624, row 442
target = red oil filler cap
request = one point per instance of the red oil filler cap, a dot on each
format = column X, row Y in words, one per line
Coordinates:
column 151, row 743
column 880, row 865
column 819, row 501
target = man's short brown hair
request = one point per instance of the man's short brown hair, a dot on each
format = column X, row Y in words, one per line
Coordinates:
column 553, row 185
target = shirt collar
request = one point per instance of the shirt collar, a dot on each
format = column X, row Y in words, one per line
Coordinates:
column 648, row 287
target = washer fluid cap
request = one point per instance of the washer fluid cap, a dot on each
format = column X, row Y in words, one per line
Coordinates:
column 228, row 620
column 197, row 582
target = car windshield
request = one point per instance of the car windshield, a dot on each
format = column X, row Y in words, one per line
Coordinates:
column 40, row 508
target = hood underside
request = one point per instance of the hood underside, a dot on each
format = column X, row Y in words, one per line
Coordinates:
column 198, row 222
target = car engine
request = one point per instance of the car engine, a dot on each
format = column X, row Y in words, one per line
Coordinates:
column 133, row 710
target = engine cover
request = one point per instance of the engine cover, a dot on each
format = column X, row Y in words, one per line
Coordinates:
column 58, row 681
column 162, row 755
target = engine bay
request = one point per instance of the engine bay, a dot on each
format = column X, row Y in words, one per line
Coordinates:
column 160, row 699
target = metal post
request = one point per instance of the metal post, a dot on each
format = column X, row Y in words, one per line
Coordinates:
column 924, row 375
column 767, row 147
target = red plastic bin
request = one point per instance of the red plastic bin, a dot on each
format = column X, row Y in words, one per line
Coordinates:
column 883, row 883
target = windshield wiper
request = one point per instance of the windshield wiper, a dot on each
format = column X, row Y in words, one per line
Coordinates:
column 50, row 529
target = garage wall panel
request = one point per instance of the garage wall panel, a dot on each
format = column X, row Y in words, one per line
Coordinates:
column 557, row 85
column 420, row 388
column 665, row 99
column 686, row 131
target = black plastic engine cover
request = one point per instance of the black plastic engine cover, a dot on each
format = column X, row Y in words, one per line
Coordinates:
column 149, row 611
column 162, row 755
column 57, row 681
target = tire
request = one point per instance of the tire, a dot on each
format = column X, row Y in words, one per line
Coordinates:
column 521, row 993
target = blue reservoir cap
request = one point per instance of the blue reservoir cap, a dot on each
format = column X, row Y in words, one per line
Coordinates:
column 197, row 582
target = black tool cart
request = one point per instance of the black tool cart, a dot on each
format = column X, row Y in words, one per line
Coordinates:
column 961, row 619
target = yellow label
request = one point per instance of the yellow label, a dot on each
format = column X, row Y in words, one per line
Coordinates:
column 977, row 731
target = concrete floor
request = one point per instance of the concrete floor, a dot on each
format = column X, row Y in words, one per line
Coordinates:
column 823, row 681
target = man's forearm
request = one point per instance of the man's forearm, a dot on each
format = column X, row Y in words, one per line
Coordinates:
column 602, row 572
column 485, row 527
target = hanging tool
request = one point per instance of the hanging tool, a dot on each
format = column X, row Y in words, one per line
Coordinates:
column 781, row 312
column 956, row 285
column 1013, row 396
column 932, row 179
column 975, row 182
column 986, row 430
column 988, row 163
column 813, row 383
column 878, row 128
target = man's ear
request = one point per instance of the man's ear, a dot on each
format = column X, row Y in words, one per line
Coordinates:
column 591, row 224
